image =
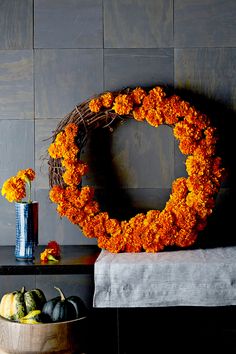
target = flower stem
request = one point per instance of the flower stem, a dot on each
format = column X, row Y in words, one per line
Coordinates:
column 29, row 197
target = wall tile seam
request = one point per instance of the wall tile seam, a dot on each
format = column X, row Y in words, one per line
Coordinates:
column 115, row 48
column 205, row 47
column 16, row 120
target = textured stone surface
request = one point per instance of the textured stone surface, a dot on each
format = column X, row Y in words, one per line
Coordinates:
column 138, row 24
column 207, row 71
column 205, row 23
column 142, row 67
column 64, row 78
column 16, row 24
column 16, row 146
column 16, row 84
column 68, row 24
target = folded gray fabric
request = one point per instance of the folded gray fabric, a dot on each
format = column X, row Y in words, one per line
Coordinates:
column 179, row 278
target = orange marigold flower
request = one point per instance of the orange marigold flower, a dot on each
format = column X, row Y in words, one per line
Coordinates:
column 134, row 245
column 201, row 121
column 95, row 227
column 185, row 238
column 14, row 189
column 139, row 113
column 138, row 95
column 113, row 244
column 188, row 146
column 27, row 175
column 71, row 129
column 132, row 232
column 123, row 104
column 185, row 216
column 59, row 146
column 154, row 117
column 152, row 241
column 196, row 165
column 44, row 255
column 81, row 217
column 137, row 220
column 57, row 194
column 179, row 187
column 152, row 215
column 55, row 248
column 62, row 208
column 86, row 194
column 113, row 226
column 72, row 214
column 183, row 108
column 149, row 102
column 166, row 220
column 55, row 151
column 183, row 130
column 201, row 202
column 92, row 208
column 201, row 183
column 157, row 93
column 71, row 178
column 70, row 155
column 156, row 246
column 107, row 99
column 103, row 242
column 48, row 255
column 169, row 112
column 95, row 105
column 69, row 162
column 205, row 150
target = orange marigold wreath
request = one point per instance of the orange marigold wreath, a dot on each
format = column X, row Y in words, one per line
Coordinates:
column 192, row 199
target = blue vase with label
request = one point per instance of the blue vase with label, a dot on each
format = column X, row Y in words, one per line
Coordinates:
column 26, row 230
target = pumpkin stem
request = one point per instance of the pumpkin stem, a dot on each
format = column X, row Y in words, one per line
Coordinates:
column 61, row 293
column 22, row 290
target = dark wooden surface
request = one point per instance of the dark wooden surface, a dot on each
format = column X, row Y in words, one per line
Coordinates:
column 74, row 260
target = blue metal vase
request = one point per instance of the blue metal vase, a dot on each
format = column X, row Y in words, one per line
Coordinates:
column 26, row 230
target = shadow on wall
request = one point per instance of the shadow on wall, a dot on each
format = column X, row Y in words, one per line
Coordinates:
column 118, row 202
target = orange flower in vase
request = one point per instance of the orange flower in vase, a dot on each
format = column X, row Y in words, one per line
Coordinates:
column 14, row 190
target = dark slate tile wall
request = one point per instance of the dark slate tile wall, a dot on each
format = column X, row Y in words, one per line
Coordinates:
column 16, row 24
column 55, row 54
column 138, row 24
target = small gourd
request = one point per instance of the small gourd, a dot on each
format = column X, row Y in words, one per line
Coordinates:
column 34, row 300
column 18, row 304
column 12, row 305
column 61, row 309
column 33, row 317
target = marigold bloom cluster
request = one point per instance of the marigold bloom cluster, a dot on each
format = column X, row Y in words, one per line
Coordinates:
column 26, row 175
column 14, row 188
column 65, row 148
column 191, row 200
column 51, row 253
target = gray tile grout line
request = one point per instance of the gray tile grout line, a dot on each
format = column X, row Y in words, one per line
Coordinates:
column 121, row 48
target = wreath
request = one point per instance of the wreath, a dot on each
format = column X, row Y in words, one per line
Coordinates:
column 192, row 198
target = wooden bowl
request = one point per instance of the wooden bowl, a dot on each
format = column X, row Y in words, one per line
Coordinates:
column 59, row 337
